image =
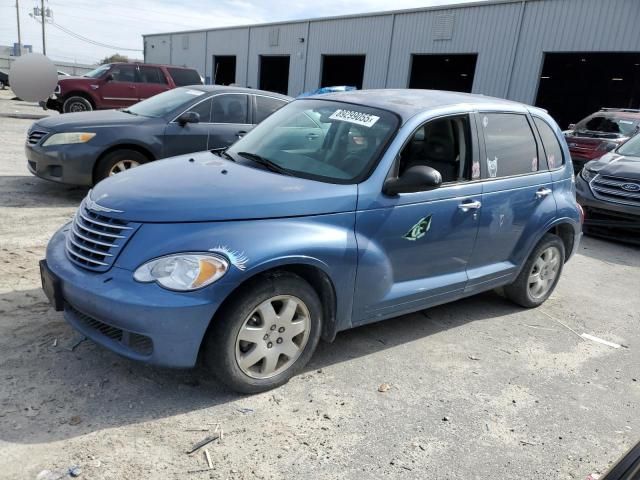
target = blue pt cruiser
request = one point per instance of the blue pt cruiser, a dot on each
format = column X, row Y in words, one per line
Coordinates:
column 336, row 211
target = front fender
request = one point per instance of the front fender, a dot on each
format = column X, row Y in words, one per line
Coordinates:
column 326, row 242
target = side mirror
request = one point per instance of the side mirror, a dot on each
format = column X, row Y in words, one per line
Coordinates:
column 108, row 78
column 415, row 179
column 571, row 126
column 188, row 117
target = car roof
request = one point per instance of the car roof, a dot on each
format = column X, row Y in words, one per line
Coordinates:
column 617, row 112
column 233, row 89
column 409, row 102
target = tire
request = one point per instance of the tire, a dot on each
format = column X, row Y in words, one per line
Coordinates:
column 231, row 359
column 76, row 103
column 118, row 161
column 526, row 290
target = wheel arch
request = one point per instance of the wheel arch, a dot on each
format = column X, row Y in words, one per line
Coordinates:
column 310, row 271
column 121, row 146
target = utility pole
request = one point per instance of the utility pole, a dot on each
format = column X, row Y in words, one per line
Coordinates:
column 18, row 20
column 44, row 44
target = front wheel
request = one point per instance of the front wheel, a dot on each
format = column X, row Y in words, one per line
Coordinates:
column 76, row 103
column 265, row 335
column 118, row 162
column 540, row 273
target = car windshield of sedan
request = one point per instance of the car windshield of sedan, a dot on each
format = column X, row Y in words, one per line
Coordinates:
column 165, row 102
column 97, row 72
column 321, row 140
column 631, row 148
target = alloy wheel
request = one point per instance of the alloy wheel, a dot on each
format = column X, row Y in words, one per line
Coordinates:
column 273, row 337
column 544, row 272
column 123, row 165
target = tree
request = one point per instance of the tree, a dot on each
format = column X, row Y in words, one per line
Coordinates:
column 116, row 57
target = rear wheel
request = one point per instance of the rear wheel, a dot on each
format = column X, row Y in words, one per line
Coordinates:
column 265, row 335
column 76, row 103
column 118, row 162
column 540, row 274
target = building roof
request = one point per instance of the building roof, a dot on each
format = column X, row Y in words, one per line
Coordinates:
column 473, row 3
column 409, row 102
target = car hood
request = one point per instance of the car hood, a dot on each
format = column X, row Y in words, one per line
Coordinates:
column 204, row 187
column 95, row 119
column 615, row 165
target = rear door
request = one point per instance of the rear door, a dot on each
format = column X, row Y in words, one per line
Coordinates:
column 230, row 117
column 191, row 137
column 517, row 199
column 151, row 81
column 121, row 90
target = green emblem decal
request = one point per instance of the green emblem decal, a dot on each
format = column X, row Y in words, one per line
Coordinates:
column 419, row 230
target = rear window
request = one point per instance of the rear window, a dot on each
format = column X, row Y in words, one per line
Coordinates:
column 552, row 148
column 184, row 76
column 511, row 146
column 608, row 124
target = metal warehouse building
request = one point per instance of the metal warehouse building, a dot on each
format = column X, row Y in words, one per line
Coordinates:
column 569, row 56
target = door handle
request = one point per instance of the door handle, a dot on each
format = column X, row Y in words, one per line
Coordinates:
column 312, row 136
column 241, row 133
column 465, row 207
column 543, row 192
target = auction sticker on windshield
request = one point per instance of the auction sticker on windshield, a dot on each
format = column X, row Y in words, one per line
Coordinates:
column 364, row 119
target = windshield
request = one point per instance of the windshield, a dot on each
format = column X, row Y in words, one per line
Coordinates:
column 631, row 148
column 608, row 125
column 98, row 72
column 165, row 102
column 320, row 139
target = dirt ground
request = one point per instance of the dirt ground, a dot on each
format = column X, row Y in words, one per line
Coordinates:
column 478, row 389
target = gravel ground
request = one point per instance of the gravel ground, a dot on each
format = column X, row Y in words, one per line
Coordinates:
column 478, row 389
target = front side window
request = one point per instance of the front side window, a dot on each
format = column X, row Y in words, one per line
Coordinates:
column 124, row 73
column 511, row 148
column 322, row 140
column 265, row 106
column 230, row 109
column 98, row 72
column 443, row 144
column 550, row 142
column 152, row 75
column 203, row 109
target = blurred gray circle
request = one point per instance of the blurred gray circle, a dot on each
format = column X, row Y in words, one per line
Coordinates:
column 33, row 77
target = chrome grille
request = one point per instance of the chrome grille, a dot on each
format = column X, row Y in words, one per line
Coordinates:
column 94, row 240
column 35, row 136
column 606, row 187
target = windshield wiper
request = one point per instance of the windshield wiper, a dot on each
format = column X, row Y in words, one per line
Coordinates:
column 265, row 162
column 222, row 152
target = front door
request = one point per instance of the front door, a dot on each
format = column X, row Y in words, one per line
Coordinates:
column 413, row 252
column 120, row 88
column 230, row 117
column 517, row 199
column 190, row 137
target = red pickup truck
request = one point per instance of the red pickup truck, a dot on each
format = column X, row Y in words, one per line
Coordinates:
column 117, row 85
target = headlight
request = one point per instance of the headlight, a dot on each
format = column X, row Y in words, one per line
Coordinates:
column 68, row 137
column 607, row 146
column 587, row 174
column 183, row 271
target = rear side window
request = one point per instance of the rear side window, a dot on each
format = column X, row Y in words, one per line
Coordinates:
column 230, row 109
column 152, row 75
column 552, row 147
column 510, row 144
column 265, row 106
column 184, row 76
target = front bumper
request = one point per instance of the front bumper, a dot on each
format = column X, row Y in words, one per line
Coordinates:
column 139, row 321
column 607, row 219
column 53, row 103
column 72, row 164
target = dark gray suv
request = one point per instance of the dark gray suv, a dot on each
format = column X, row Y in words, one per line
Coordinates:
column 83, row 148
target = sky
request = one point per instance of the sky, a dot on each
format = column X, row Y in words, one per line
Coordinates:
column 121, row 23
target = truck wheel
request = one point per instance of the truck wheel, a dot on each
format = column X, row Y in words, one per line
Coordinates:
column 76, row 103
column 540, row 273
column 265, row 335
column 117, row 162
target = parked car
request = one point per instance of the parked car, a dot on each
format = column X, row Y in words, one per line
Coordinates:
column 83, row 148
column 4, row 79
column 117, row 85
column 600, row 133
column 609, row 191
column 336, row 211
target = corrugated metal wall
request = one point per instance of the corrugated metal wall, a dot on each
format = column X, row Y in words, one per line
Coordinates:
column 509, row 38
